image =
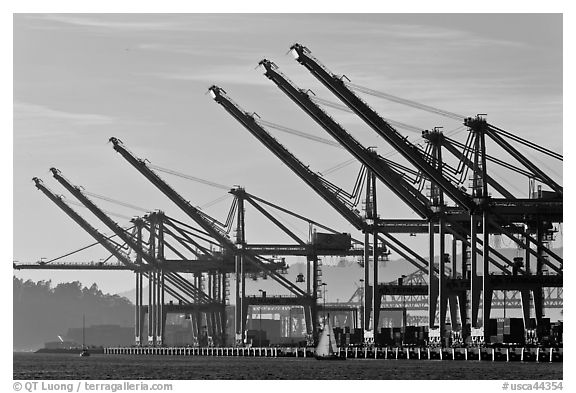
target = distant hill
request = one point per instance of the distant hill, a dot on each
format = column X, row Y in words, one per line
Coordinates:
column 41, row 312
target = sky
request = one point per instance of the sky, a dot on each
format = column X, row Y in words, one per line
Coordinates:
column 81, row 78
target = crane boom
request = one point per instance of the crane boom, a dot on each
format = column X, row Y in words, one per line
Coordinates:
column 175, row 278
column 410, row 152
column 103, row 240
column 182, row 203
column 309, row 177
column 315, row 181
column 100, row 238
column 395, row 182
column 200, row 218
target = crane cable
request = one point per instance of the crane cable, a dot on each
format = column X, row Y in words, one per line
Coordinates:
column 108, row 237
column 121, row 203
column 451, row 115
column 189, row 177
column 344, row 108
column 215, row 201
column 298, row 133
column 105, row 211
column 404, row 101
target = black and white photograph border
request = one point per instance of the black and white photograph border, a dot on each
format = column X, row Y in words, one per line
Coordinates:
column 222, row 254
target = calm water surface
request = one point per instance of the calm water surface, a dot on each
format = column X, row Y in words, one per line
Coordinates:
column 67, row 366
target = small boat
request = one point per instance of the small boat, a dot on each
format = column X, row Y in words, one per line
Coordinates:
column 84, row 349
column 326, row 348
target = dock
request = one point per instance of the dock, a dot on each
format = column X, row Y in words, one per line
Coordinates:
column 541, row 355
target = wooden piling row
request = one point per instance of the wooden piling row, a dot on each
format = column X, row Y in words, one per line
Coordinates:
column 395, row 353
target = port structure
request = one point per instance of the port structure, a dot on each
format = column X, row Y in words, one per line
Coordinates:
column 509, row 216
column 253, row 254
column 217, row 265
column 465, row 286
column 506, row 215
column 151, row 264
column 204, row 309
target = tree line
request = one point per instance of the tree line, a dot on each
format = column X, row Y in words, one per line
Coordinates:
column 42, row 311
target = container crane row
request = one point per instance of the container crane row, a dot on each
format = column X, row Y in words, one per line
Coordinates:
column 191, row 262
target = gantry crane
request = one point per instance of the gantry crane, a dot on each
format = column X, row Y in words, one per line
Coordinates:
column 328, row 192
column 382, row 168
column 238, row 249
column 480, row 203
column 154, row 258
column 141, row 269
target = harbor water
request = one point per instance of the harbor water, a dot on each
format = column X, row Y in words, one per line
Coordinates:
column 28, row 366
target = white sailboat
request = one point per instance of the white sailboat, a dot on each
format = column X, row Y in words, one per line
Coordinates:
column 327, row 348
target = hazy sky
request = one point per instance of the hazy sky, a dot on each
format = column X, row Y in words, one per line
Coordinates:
column 82, row 78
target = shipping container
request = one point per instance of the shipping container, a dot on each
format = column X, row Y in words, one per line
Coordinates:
column 332, row 241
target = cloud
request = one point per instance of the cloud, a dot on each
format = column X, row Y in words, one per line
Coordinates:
column 38, row 121
column 398, row 34
column 133, row 22
column 26, row 112
column 217, row 75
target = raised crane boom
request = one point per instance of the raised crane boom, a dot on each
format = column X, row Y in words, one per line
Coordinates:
column 309, row 177
column 381, row 168
column 315, row 181
column 152, row 261
column 182, row 203
column 103, row 240
column 396, row 183
column 200, row 218
column 410, row 152
column 100, row 238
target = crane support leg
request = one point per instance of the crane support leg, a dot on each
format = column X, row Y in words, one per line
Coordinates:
column 367, row 300
column 376, row 297
column 314, row 304
column 309, row 276
column 464, row 258
column 160, row 309
column 475, row 283
column 442, row 290
column 451, row 304
column 525, row 302
column 137, row 311
column 454, row 255
column 432, row 289
column 150, row 309
column 239, row 329
column 308, row 321
column 527, row 248
column 486, row 290
column 142, row 314
column 538, row 305
column 463, row 311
